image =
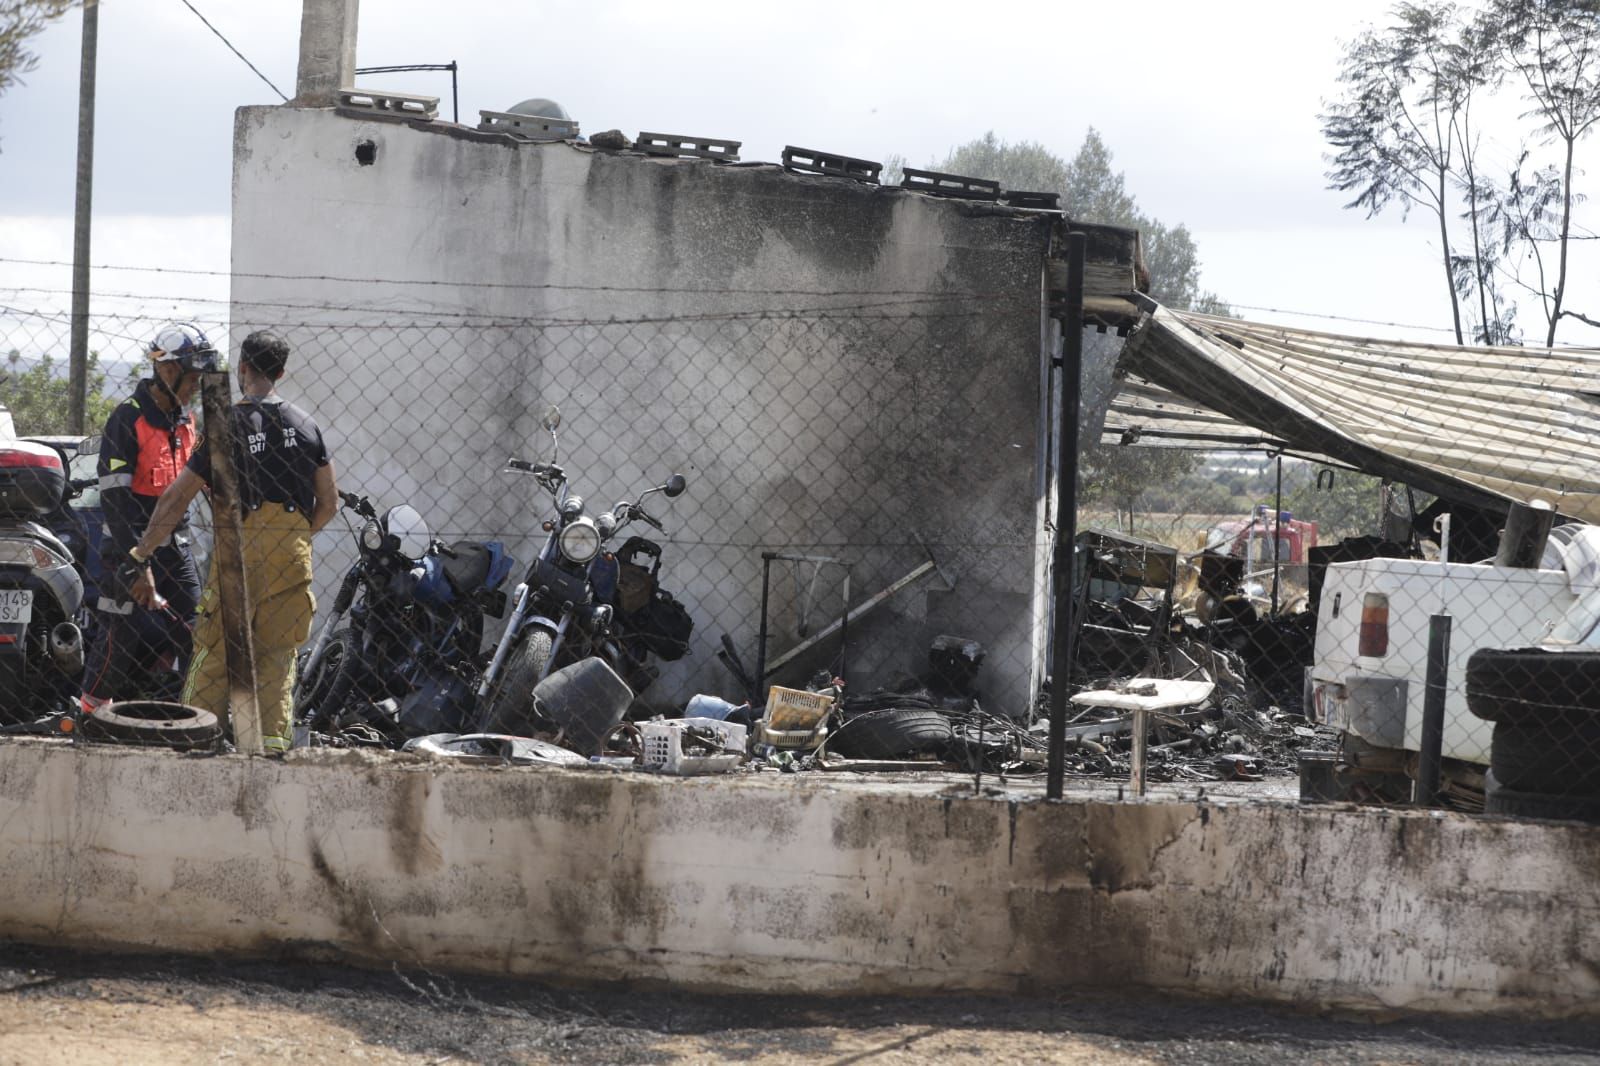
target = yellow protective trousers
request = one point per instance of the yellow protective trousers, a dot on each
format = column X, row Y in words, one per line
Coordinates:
column 276, row 546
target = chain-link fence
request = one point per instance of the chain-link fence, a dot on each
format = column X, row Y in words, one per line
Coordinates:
column 866, row 498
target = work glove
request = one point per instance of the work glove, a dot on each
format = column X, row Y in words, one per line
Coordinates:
column 127, row 575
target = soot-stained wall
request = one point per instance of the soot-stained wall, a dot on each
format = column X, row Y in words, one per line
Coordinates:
column 838, row 369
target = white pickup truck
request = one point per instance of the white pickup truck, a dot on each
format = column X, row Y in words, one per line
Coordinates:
column 1369, row 670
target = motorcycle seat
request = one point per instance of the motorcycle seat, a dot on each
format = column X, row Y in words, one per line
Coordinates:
column 468, row 570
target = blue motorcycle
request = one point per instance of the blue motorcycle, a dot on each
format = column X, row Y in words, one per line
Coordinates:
column 398, row 656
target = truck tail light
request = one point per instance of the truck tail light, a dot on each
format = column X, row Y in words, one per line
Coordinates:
column 1374, row 625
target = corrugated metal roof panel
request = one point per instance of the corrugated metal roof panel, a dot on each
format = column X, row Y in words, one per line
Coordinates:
column 1497, row 423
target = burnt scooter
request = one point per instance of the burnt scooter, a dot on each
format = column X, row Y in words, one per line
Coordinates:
column 564, row 608
column 41, row 589
column 407, row 661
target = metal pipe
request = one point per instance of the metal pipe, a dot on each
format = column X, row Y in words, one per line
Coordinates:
column 1066, row 513
column 844, row 630
column 1527, row 529
column 1277, row 538
column 1141, row 744
column 761, row 640
column 1430, row 762
column 78, row 353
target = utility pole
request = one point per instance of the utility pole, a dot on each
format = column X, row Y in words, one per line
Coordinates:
column 78, row 359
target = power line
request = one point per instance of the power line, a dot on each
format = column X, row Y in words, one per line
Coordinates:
column 522, row 286
column 1339, row 318
column 234, row 50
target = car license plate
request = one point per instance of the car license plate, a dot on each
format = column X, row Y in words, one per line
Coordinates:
column 16, row 606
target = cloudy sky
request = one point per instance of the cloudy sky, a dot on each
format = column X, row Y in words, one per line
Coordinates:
column 1210, row 110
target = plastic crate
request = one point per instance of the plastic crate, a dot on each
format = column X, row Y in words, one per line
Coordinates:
column 792, row 709
column 795, row 719
column 663, row 747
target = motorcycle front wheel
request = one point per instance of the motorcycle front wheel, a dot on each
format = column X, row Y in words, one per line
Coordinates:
column 510, row 707
column 314, row 680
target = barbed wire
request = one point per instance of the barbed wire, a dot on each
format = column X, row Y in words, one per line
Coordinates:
column 512, row 285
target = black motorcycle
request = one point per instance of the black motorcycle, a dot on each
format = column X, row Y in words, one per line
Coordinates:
column 398, row 655
column 41, row 586
column 579, row 601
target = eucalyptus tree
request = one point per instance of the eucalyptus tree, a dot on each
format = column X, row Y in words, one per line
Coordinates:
column 1401, row 126
column 1551, row 49
column 20, row 20
column 1407, row 131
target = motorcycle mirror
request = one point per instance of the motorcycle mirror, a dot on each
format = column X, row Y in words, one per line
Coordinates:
column 89, row 445
column 675, row 486
column 552, row 418
column 410, row 532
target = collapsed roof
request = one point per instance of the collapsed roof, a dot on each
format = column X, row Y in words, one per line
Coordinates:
column 1482, row 425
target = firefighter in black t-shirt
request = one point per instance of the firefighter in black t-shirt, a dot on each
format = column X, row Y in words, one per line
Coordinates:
column 287, row 493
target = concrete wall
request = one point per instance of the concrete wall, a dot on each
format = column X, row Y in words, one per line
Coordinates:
column 791, row 884
column 837, row 368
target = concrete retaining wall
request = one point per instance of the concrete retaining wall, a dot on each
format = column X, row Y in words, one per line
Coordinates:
column 784, row 884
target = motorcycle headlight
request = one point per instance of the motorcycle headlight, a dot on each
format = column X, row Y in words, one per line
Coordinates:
column 580, row 540
column 372, row 535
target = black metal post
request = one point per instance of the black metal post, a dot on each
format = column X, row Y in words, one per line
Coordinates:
column 1066, row 513
column 1277, row 538
column 1432, row 755
column 844, row 630
column 455, row 97
column 761, row 641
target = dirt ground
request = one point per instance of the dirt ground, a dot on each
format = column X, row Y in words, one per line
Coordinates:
column 59, row 1008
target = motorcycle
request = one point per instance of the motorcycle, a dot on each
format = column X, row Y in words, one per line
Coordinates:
column 567, row 607
column 406, row 662
column 41, row 587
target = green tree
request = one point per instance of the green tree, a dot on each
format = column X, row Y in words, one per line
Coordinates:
column 1093, row 190
column 1121, row 475
column 1400, row 124
column 1551, row 49
column 1343, row 503
column 37, row 396
column 19, row 21
column 1406, row 134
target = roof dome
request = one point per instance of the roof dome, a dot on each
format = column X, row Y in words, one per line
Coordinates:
column 539, row 107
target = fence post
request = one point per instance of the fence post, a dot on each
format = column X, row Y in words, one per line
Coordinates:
column 78, row 350
column 1066, row 514
column 227, row 560
column 1430, row 766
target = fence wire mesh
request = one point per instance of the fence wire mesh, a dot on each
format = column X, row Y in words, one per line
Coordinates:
column 869, row 488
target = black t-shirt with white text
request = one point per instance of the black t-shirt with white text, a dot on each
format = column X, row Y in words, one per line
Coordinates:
column 277, row 449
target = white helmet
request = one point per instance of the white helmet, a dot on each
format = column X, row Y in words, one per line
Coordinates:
column 185, row 345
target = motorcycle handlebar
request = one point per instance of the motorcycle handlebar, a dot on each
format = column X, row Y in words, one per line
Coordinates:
column 359, row 504
column 522, row 466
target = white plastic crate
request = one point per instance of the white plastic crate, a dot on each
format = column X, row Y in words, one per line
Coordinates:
column 795, row 719
column 663, row 747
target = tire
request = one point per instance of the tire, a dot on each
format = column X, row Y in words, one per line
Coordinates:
column 1507, row 684
column 1557, row 757
column 315, row 679
column 510, row 706
column 892, row 733
column 1501, row 800
column 172, row 725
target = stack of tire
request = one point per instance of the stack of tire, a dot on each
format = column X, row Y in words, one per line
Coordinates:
column 1544, row 761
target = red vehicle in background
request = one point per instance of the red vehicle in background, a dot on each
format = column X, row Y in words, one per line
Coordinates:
column 1274, row 546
